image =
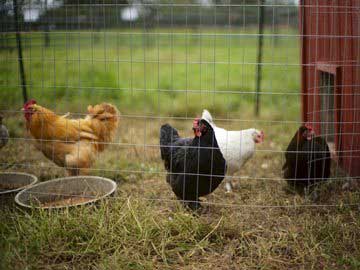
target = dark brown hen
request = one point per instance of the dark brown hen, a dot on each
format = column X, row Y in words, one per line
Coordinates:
column 307, row 159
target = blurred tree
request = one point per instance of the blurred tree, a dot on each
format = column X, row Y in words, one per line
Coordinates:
column 77, row 2
column 6, row 23
column 75, row 14
column 88, row 2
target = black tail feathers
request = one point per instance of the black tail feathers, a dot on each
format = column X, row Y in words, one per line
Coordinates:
column 168, row 135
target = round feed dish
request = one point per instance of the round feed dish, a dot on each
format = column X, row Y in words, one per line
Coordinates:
column 11, row 182
column 65, row 192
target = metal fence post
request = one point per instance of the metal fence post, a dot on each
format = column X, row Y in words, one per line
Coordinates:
column 259, row 57
column 19, row 47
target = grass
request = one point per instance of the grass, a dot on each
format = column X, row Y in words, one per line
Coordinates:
column 259, row 226
column 164, row 71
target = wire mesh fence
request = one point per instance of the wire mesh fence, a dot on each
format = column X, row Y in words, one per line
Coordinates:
column 164, row 62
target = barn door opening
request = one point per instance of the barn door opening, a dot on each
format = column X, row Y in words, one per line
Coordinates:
column 327, row 106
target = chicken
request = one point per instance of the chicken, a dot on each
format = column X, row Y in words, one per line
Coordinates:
column 4, row 134
column 195, row 165
column 307, row 159
column 72, row 143
column 237, row 147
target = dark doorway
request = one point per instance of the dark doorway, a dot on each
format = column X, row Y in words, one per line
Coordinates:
column 327, row 108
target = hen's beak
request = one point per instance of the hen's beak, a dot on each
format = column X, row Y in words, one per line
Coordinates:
column 310, row 134
column 260, row 138
column 30, row 107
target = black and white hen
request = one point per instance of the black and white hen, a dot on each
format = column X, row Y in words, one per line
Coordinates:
column 195, row 165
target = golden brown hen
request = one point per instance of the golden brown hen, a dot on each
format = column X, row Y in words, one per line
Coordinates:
column 72, row 143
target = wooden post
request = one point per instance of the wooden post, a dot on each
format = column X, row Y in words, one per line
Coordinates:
column 259, row 57
column 19, row 47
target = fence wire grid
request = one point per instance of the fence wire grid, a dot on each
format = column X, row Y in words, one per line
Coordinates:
column 268, row 65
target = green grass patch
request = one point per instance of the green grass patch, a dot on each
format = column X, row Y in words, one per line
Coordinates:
column 164, row 71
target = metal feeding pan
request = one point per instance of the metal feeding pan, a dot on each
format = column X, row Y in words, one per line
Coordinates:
column 65, row 192
column 11, row 182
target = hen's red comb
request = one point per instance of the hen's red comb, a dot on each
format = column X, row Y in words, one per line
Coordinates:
column 29, row 102
column 308, row 126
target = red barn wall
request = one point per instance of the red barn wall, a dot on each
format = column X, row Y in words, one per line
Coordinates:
column 330, row 37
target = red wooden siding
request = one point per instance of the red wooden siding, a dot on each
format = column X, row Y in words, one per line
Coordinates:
column 330, row 36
